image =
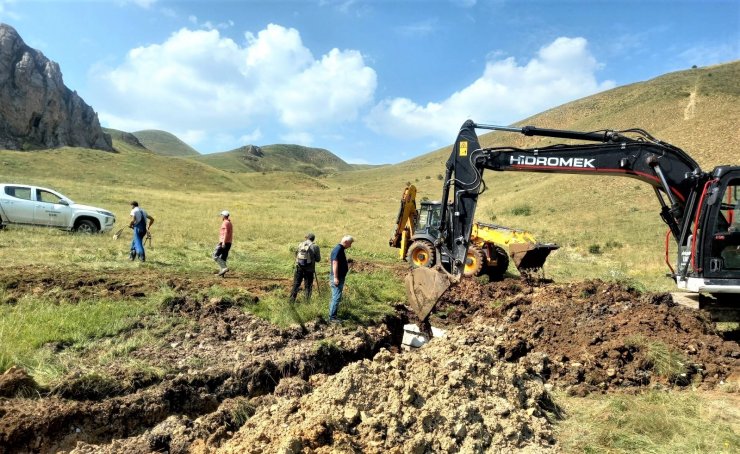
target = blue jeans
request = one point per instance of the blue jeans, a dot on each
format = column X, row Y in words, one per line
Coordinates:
column 336, row 296
column 137, row 243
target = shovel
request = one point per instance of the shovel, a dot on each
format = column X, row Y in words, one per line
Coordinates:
column 117, row 235
column 318, row 286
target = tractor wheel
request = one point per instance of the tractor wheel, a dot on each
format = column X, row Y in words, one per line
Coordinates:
column 86, row 226
column 473, row 262
column 496, row 272
column 421, row 254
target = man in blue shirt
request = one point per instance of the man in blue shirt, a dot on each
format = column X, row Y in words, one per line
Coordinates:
column 339, row 268
column 138, row 223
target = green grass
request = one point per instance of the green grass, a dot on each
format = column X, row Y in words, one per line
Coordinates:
column 164, row 143
column 664, row 361
column 34, row 330
column 654, row 422
column 314, row 162
column 366, row 300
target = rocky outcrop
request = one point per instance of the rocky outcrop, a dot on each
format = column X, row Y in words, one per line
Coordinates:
column 37, row 111
column 252, row 152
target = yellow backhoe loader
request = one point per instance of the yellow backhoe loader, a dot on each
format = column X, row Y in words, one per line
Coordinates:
column 491, row 246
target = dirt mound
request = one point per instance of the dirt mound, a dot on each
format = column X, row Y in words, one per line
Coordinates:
column 597, row 335
column 16, row 382
column 454, row 395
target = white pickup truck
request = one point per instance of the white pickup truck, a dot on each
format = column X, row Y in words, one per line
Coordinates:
column 33, row 205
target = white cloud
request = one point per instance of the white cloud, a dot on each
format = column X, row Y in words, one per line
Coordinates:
column 142, row 3
column 6, row 12
column 464, row 3
column 708, row 55
column 251, row 137
column 506, row 92
column 298, row 138
column 419, row 29
column 200, row 80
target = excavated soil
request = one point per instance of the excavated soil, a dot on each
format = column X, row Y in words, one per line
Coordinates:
column 235, row 383
column 596, row 335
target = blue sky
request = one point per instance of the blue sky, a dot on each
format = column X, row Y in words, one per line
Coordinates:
column 372, row 81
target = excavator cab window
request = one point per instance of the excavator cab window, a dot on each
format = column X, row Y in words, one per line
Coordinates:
column 726, row 240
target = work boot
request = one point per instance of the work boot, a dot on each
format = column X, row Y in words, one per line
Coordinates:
column 223, row 272
column 132, row 255
column 142, row 257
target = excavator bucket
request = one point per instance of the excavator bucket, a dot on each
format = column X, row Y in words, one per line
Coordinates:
column 424, row 287
column 528, row 256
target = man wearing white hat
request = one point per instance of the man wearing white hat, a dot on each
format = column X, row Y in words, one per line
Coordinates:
column 221, row 254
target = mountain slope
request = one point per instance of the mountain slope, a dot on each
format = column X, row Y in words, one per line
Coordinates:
column 289, row 158
column 164, row 143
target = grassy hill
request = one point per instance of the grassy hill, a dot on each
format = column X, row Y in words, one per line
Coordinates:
column 164, row 143
column 270, row 158
column 696, row 109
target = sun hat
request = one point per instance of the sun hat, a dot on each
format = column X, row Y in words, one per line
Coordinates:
column 224, row 213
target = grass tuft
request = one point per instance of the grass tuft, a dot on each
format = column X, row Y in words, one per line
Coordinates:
column 664, row 361
column 654, row 422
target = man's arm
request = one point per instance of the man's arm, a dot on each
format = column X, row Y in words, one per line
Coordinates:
column 335, row 271
column 151, row 221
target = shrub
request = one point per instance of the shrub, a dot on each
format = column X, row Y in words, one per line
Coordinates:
column 521, row 210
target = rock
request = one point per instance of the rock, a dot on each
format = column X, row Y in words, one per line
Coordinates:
column 37, row 111
column 351, row 415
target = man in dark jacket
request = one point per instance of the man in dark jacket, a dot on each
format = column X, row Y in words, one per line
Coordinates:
column 307, row 255
column 339, row 269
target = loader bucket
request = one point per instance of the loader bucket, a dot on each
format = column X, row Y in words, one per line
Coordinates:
column 530, row 256
column 424, row 287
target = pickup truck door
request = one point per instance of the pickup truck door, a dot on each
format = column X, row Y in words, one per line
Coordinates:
column 17, row 204
column 50, row 209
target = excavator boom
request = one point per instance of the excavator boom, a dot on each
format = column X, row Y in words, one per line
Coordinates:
column 690, row 199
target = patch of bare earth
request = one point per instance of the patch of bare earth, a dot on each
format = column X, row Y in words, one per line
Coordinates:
column 235, row 383
column 595, row 335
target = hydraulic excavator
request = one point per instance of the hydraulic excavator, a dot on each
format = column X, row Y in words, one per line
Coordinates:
column 417, row 229
column 701, row 209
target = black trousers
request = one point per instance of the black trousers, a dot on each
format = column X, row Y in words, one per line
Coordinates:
column 302, row 273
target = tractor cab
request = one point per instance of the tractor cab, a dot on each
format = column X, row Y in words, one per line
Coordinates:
column 429, row 219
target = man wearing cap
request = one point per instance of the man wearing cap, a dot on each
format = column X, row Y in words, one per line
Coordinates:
column 138, row 223
column 339, row 269
column 221, row 254
column 307, row 254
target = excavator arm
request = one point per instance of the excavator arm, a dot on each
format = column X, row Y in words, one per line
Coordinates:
column 670, row 171
column 631, row 153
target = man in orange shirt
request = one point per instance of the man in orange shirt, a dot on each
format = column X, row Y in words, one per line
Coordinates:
column 221, row 254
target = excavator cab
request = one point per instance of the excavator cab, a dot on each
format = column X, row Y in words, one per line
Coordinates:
column 722, row 227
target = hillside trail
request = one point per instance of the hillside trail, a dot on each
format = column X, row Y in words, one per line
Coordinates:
column 232, row 382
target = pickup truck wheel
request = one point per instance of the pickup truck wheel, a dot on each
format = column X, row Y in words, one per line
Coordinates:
column 86, row 226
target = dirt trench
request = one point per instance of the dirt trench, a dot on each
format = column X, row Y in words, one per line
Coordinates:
column 218, row 368
column 239, row 384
